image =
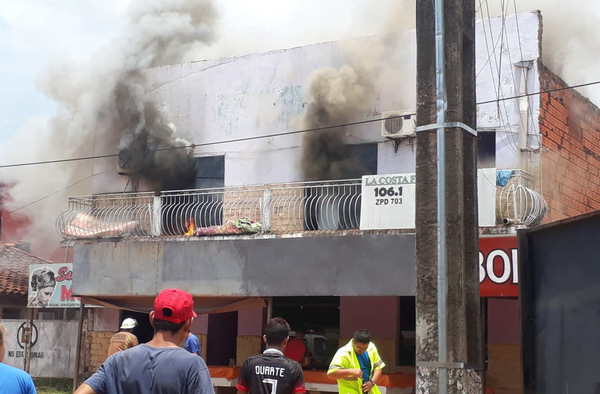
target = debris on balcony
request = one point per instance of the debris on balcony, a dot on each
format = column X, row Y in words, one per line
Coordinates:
column 87, row 226
column 240, row 226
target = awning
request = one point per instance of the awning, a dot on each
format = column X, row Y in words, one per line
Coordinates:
column 202, row 305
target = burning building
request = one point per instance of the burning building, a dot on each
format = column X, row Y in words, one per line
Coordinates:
column 306, row 192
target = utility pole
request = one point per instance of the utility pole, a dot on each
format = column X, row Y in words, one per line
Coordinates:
column 449, row 348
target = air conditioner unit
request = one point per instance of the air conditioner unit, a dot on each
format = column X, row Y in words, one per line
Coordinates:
column 398, row 124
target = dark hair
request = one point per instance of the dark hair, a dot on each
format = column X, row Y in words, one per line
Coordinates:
column 163, row 325
column 362, row 336
column 42, row 277
column 276, row 331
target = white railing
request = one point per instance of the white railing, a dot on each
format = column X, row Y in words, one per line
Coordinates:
column 279, row 208
column 276, row 208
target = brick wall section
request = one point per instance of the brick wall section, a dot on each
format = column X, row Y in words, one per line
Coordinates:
column 570, row 130
column 240, row 203
column 96, row 348
column 285, row 206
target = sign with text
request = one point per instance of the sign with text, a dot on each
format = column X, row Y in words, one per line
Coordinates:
column 388, row 201
column 50, row 286
column 51, row 346
column 498, row 267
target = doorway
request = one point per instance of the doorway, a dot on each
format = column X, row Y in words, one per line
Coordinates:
column 221, row 343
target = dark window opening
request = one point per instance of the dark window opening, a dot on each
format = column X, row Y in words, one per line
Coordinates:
column 201, row 209
column 332, row 206
column 486, row 149
column 210, row 173
column 221, row 345
column 407, row 331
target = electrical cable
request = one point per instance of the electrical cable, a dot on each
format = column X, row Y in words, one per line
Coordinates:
column 56, row 192
column 286, row 132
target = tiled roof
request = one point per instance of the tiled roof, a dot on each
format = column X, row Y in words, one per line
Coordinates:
column 14, row 269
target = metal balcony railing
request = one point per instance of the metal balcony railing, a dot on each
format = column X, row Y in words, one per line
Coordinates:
column 280, row 208
column 277, row 208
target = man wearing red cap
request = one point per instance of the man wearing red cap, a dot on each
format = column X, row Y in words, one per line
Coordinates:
column 161, row 365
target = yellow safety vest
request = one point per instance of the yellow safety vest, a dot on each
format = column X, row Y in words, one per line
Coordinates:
column 345, row 358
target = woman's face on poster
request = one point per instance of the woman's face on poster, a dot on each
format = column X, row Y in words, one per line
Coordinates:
column 44, row 294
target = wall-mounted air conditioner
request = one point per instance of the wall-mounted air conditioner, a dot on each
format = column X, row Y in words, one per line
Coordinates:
column 398, row 124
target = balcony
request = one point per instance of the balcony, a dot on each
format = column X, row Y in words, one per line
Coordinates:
column 277, row 208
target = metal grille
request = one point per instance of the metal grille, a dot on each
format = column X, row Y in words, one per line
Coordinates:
column 290, row 207
column 108, row 215
column 279, row 208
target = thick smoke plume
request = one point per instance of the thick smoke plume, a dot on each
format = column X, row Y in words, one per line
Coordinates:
column 347, row 94
column 104, row 110
column 337, row 96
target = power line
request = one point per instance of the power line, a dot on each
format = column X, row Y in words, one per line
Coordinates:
column 56, row 192
column 540, row 92
column 285, row 132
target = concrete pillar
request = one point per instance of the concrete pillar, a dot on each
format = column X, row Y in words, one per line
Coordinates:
column 463, row 345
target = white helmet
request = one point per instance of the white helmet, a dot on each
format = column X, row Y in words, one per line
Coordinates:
column 128, row 323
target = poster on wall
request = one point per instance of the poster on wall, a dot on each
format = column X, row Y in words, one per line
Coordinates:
column 388, row 200
column 51, row 346
column 50, row 286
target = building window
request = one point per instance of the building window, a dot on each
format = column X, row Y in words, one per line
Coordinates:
column 330, row 207
column 210, row 172
column 486, row 149
column 202, row 209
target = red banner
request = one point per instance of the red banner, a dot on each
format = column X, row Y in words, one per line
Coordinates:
column 498, row 267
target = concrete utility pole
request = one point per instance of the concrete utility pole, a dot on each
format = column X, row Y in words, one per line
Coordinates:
column 449, row 356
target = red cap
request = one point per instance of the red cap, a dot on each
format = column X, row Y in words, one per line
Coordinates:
column 174, row 305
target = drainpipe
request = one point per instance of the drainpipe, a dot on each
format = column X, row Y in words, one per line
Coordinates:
column 442, row 262
column 523, row 113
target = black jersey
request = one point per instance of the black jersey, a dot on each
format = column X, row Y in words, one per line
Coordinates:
column 271, row 373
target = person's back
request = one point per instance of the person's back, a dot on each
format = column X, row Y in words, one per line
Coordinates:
column 15, row 381
column 122, row 340
column 147, row 369
column 192, row 344
column 272, row 373
column 160, row 366
column 296, row 348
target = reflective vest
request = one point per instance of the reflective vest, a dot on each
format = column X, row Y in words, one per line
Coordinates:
column 345, row 358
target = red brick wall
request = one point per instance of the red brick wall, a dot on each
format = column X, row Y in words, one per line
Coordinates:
column 570, row 129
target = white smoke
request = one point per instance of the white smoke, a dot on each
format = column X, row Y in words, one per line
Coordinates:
column 570, row 47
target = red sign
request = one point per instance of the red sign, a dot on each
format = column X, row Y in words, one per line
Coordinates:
column 498, row 267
